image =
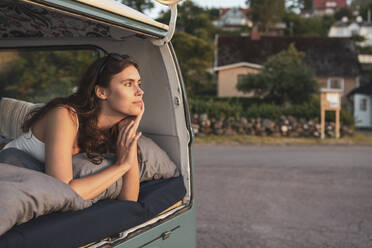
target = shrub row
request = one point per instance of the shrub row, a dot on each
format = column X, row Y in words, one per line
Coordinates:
column 251, row 108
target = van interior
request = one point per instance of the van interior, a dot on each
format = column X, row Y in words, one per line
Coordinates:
column 40, row 29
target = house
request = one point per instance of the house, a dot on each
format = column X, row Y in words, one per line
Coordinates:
column 334, row 60
column 349, row 28
column 234, row 19
column 327, row 7
column 362, row 99
column 237, row 19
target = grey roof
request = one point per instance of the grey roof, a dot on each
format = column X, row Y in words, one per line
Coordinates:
column 365, row 89
column 327, row 56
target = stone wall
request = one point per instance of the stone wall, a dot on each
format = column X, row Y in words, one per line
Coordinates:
column 287, row 126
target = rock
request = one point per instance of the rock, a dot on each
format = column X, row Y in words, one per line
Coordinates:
column 268, row 124
column 284, row 129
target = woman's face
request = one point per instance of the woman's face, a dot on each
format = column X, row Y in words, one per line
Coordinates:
column 124, row 92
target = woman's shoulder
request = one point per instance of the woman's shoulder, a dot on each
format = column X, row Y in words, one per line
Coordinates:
column 63, row 113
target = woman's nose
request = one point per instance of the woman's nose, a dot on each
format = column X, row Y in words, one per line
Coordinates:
column 139, row 91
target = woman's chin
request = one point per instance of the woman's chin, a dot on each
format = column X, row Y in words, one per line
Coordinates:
column 133, row 113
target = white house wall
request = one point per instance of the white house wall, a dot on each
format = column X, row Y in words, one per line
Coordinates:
column 363, row 118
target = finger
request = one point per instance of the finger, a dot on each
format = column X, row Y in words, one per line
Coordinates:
column 135, row 126
column 128, row 133
column 120, row 134
column 125, row 134
column 135, row 139
column 122, row 126
column 139, row 116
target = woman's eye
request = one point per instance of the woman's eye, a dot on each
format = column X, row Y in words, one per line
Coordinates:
column 128, row 84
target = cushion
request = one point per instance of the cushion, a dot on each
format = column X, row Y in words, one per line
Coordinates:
column 156, row 163
column 103, row 219
column 83, row 167
column 26, row 194
column 12, row 115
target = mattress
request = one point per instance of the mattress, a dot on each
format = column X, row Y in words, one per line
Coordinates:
column 104, row 219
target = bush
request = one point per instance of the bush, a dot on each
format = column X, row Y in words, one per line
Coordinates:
column 254, row 108
column 269, row 111
column 215, row 109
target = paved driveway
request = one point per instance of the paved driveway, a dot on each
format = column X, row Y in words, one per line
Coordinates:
column 293, row 197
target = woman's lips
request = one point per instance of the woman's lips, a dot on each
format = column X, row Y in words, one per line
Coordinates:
column 138, row 102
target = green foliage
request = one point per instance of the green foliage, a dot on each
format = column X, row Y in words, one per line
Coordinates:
column 39, row 76
column 348, row 12
column 139, row 5
column 193, row 19
column 303, row 5
column 194, row 45
column 215, row 109
column 256, row 108
column 365, row 49
column 358, row 38
column 284, row 79
column 315, row 26
column 266, row 12
column 364, row 7
column 270, row 111
column 195, row 57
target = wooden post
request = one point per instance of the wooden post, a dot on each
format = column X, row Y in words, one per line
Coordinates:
column 330, row 99
column 337, row 123
column 322, row 122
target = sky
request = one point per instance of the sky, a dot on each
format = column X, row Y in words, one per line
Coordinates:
column 204, row 3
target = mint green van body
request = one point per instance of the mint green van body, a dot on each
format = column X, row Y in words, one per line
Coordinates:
column 106, row 26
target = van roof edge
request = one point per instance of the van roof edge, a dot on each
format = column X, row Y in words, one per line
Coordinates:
column 110, row 7
column 123, row 10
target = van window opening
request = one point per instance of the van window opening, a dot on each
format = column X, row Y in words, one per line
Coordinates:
column 39, row 75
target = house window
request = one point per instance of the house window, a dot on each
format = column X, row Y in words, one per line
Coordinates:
column 336, row 83
column 241, row 77
column 363, row 104
column 331, row 4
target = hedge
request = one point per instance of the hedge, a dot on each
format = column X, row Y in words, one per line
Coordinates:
column 253, row 108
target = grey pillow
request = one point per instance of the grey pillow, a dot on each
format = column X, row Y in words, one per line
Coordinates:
column 156, row 163
column 20, row 158
column 28, row 193
column 83, row 167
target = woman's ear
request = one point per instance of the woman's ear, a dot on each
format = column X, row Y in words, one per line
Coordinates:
column 101, row 92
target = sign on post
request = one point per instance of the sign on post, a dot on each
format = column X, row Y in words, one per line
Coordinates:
column 330, row 99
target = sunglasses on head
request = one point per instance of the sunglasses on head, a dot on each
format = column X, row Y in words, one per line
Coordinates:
column 115, row 56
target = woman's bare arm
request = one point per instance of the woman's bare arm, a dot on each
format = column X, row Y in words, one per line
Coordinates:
column 60, row 135
column 131, row 180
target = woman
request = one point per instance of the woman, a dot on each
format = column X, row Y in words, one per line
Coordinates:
column 91, row 121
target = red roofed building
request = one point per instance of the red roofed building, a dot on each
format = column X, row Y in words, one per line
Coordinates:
column 328, row 7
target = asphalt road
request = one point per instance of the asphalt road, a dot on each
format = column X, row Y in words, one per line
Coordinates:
column 283, row 197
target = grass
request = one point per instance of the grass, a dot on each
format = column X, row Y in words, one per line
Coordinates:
column 357, row 139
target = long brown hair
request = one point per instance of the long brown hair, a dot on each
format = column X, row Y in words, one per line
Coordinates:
column 86, row 104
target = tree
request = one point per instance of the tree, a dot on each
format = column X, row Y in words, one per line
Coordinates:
column 266, row 12
column 315, row 26
column 344, row 12
column 303, row 5
column 38, row 76
column 139, row 5
column 194, row 45
column 284, row 79
column 193, row 19
column 364, row 9
column 195, row 57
